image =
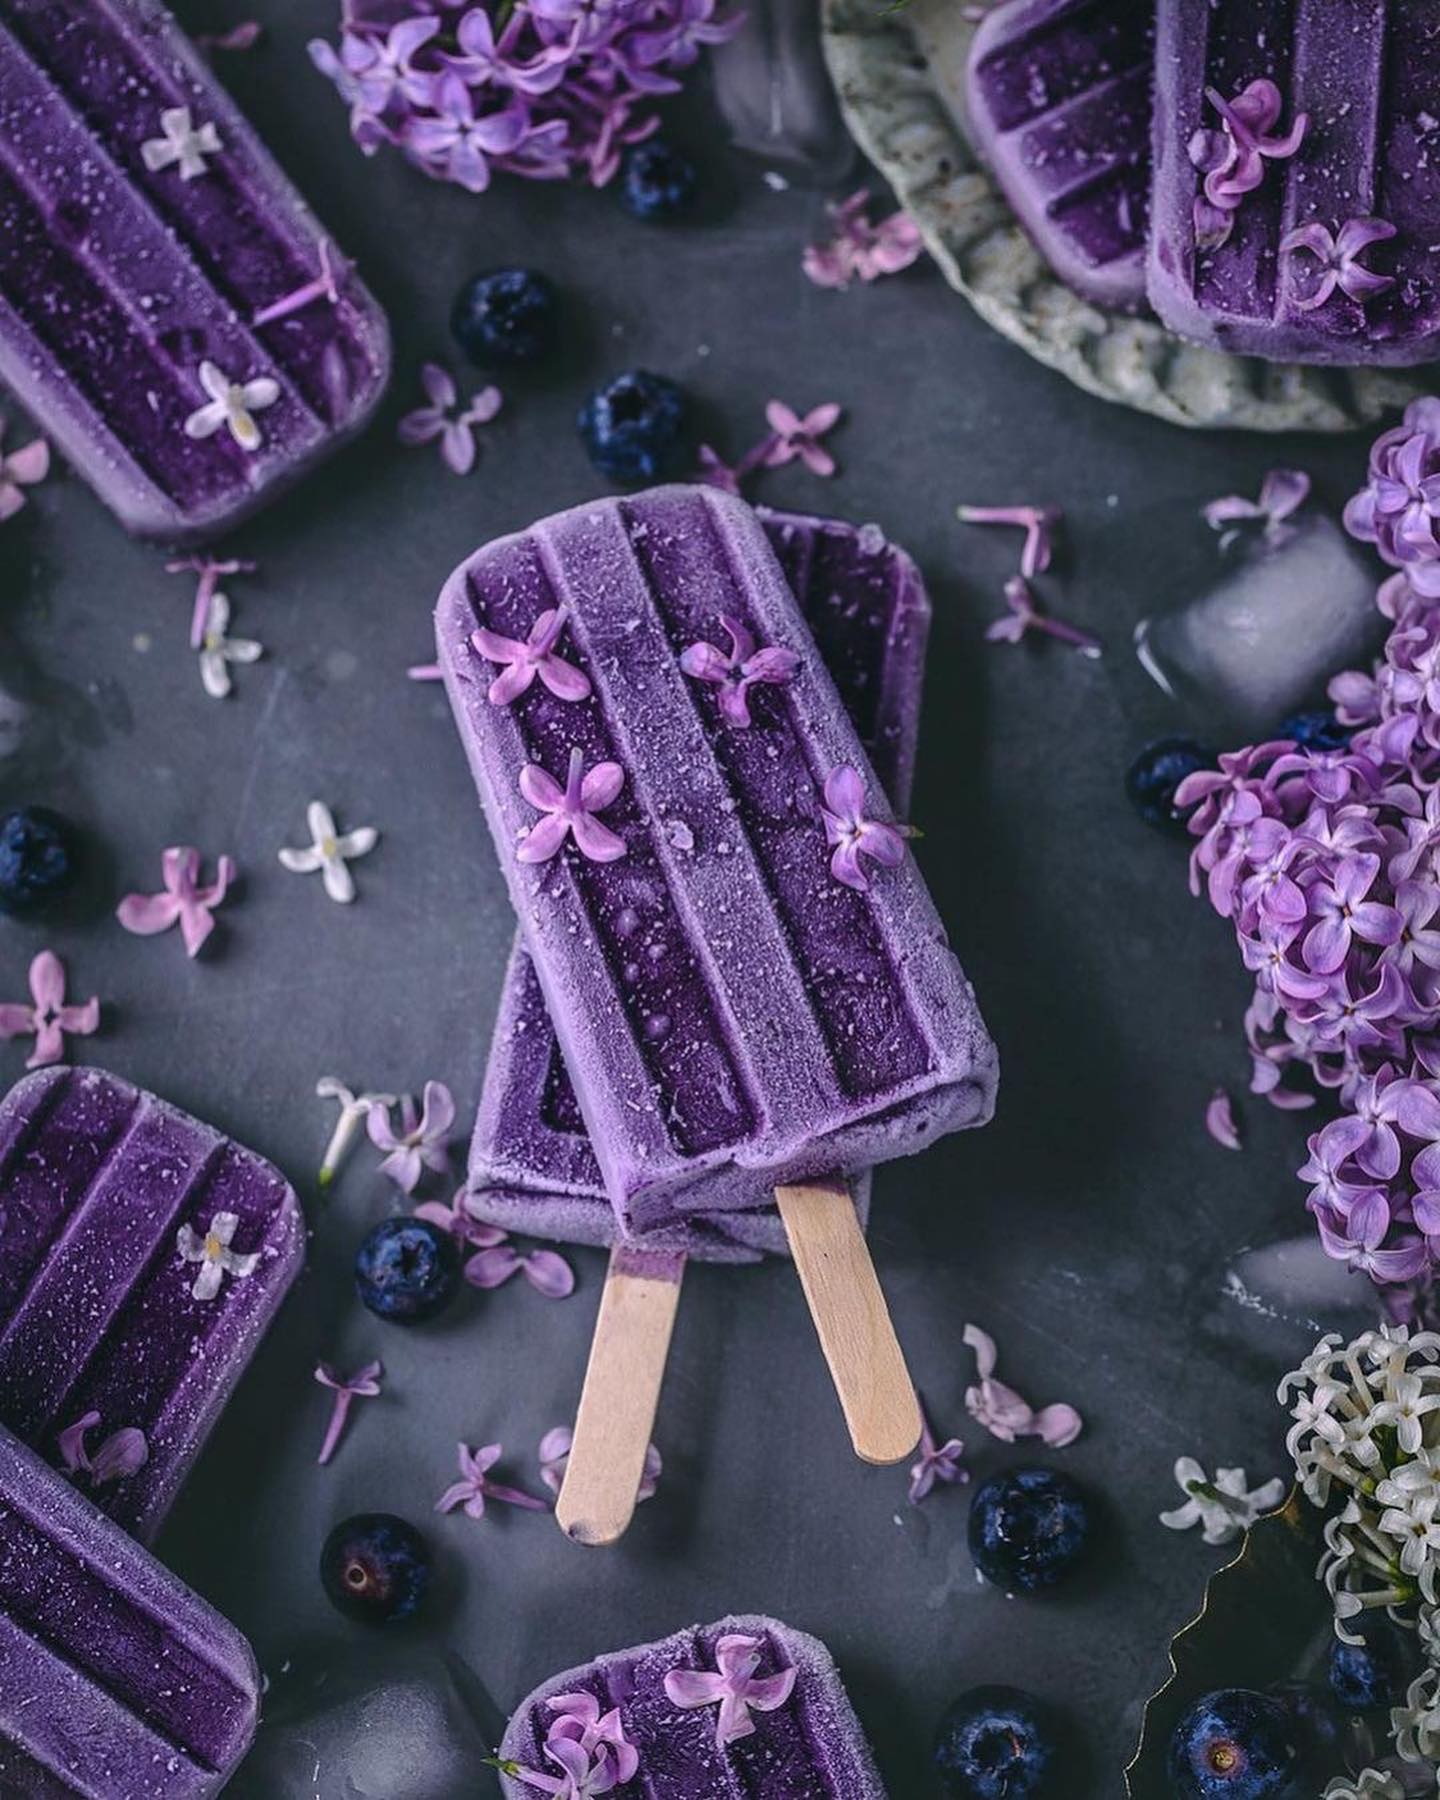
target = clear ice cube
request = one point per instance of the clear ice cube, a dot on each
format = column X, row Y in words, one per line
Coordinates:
column 1286, row 614
column 775, row 93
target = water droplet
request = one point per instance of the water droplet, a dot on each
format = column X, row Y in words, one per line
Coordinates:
column 657, row 1026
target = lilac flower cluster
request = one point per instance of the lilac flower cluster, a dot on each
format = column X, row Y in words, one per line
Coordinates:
column 544, row 88
column 1328, row 863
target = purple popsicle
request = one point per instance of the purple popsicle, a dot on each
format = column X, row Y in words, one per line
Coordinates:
column 142, row 1256
column 532, row 1169
column 1058, row 100
column 116, row 1681
column 171, row 313
column 788, row 1732
column 729, row 1010
column 1296, row 204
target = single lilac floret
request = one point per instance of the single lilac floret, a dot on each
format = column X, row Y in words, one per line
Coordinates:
column 363, row 1384
column 1232, row 159
column 423, row 1140
column 570, row 811
column 185, row 900
column 852, row 835
column 936, row 1462
column 536, row 656
column 1339, row 256
column 124, row 1453
column 554, row 1454
column 859, row 249
column 743, row 668
column 796, row 437
column 1025, row 616
column 47, row 1016
column 735, row 1687
column 1282, row 493
column 475, row 1487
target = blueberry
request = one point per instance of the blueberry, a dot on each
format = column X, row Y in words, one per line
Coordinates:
column 507, row 316
column 407, row 1270
column 1316, row 731
column 1321, row 1723
column 1364, row 1677
column 1235, row 1744
column 376, row 1568
column 1028, row 1529
column 995, row 1743
column 39, row 859
column 1151, row 780
column 657, row 182
column 634, row 427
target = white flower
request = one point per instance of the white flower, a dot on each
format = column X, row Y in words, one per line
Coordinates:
column 353, row 1109
column 1314, row 1371
column 1222, row 1508
column 1417, row 1529
column 232, row 403
column 182, row 143
column 1430, row 1635
column 1408, row 1399
column 329, row 852
column 217, row 650
column 1415, row 1726
column 214, row 1255
column 1369, row 1784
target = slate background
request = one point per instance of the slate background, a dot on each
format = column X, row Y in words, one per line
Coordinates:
column 1091, row 1228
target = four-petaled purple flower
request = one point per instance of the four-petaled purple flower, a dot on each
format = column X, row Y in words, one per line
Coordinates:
column 1282, row 492
column 47, row 1015
column 570, row 811
column 456, row 434
column 1397, row 511
column 124, row 1453
column 184, row 902
column 1342, row 913
column 423, row 1140
column 475, row 1487
column 860, row 249
column 364, row 1384
column 1339, row 256
column 735, row 1687
column 794, row 436
column 936, row 1462
column 536, row 656
column 1232, row 159
column 852, row 835
column 743, row 668
column 456, row 142
column 546, row 1270
column 1025, row 616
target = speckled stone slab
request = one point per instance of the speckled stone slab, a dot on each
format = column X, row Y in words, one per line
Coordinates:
column 899, row 75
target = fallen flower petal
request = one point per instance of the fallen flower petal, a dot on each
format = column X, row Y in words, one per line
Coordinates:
column 363, row 1384
column 1223, row 1508
column 546, row 1270
column 554, row 1453
column 1002, row 1411
column 353, row 1110
column 1037, row 522
column 1220, row 1120
column 936, row 1462
column 48, row 1016
column 1025, row 616
column 184, row 901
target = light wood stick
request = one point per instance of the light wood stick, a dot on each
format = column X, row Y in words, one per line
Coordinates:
column 621, row 1392
column 857, row 1337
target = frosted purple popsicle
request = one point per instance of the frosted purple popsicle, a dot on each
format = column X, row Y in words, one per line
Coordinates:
column 1058, row 101
column 1296, row 204
column 171, row 313
column 788, row 1733
column 142, row 1256
column 532, row 1169
column 729, row 1010
column 116, row 1681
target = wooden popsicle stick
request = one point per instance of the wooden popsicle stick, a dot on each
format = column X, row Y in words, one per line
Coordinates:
column 621, row 1392
column 852, row 1319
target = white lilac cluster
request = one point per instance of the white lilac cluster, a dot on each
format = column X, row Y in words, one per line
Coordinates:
column 1365, row 1439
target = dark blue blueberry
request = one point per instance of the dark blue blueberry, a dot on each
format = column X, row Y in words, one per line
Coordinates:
column 507, row 316
column 376, row 1568
column 1316, row 731
column 634, row 428
column 995, row 1743
column 407, row 1270
column 1028, row 1529
column 1151, row 780
column 39, row 859
column 1238, row 1745
column 1321, row 1723
column 657, row 182
column 1366, row 1676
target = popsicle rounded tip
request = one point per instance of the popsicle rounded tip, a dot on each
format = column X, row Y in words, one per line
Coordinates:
column 595, row 1532
column 888, row 1441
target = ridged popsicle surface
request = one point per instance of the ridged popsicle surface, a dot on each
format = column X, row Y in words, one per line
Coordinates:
column 532, row 1168
column 727, row 1009
column 119, row 280
column 97, row 1305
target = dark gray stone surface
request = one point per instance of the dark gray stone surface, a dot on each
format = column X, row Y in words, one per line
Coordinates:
column 1093, row 1228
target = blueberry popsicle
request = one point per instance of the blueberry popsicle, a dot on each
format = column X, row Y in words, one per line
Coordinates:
column 171, row 313
column 1296, row 204
column 1058, row 102
column 737, row 994
column 116, row 1681
column 744, row 1707
column 142, row 1256
column 532, row 1169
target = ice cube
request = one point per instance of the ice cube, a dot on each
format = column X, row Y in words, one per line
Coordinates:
column 775, row 95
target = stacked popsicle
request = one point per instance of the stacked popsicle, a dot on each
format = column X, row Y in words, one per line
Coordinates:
column 171, row 313
column 744, row 1706
column 749, row 985
column 1288, row 155
column 142, row 1255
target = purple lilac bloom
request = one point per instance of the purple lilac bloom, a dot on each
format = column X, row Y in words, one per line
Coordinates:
column 1328, row 866
column 545, row 90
